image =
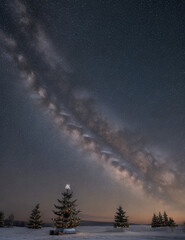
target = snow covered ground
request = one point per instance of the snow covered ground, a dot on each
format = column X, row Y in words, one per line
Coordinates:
column 141, row 232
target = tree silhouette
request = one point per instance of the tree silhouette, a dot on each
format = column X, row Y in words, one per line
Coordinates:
column 35, row 218
column 120, row 219
column 1, row 219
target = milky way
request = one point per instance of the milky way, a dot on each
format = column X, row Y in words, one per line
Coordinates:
column 74, row 110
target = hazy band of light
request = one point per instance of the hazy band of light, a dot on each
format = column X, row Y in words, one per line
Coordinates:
column 75, row 112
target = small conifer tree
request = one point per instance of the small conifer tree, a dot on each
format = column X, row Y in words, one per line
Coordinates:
column 1, row 219
column 35, row 221
column 10, row 221
column 120, row 219
column 66, row 212
column 172, row 223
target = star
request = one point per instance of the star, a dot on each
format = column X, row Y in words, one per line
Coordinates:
column 67, row 187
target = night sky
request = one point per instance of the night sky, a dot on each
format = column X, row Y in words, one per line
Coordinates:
column 92, row 94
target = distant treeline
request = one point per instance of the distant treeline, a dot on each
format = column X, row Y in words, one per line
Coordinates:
column 25, row 224
column 18, row 223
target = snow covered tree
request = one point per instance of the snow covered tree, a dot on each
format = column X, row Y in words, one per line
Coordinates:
column 1, row 219
column 120, row 219
column 66, row 212
column 35, row 221
column 165, row 217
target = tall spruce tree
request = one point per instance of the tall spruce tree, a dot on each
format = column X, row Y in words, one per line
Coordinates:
column 1, row 219
column 67, row 214
column 165, row 217
column 35, row 221
column 154, row 221
column 161, row 220
column 120, row 219
column 157, row 221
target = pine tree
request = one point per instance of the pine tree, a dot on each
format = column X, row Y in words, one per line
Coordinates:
column 165, row 217
column 120, row 219
column 10, row 221
column 172, row 223
column 1, row 219
column 157, row 221
column 67, row 214
column 35, row 218
column 154, row 221
column 161, row 221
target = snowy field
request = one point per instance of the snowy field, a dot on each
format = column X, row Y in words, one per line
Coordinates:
column 142, row 232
